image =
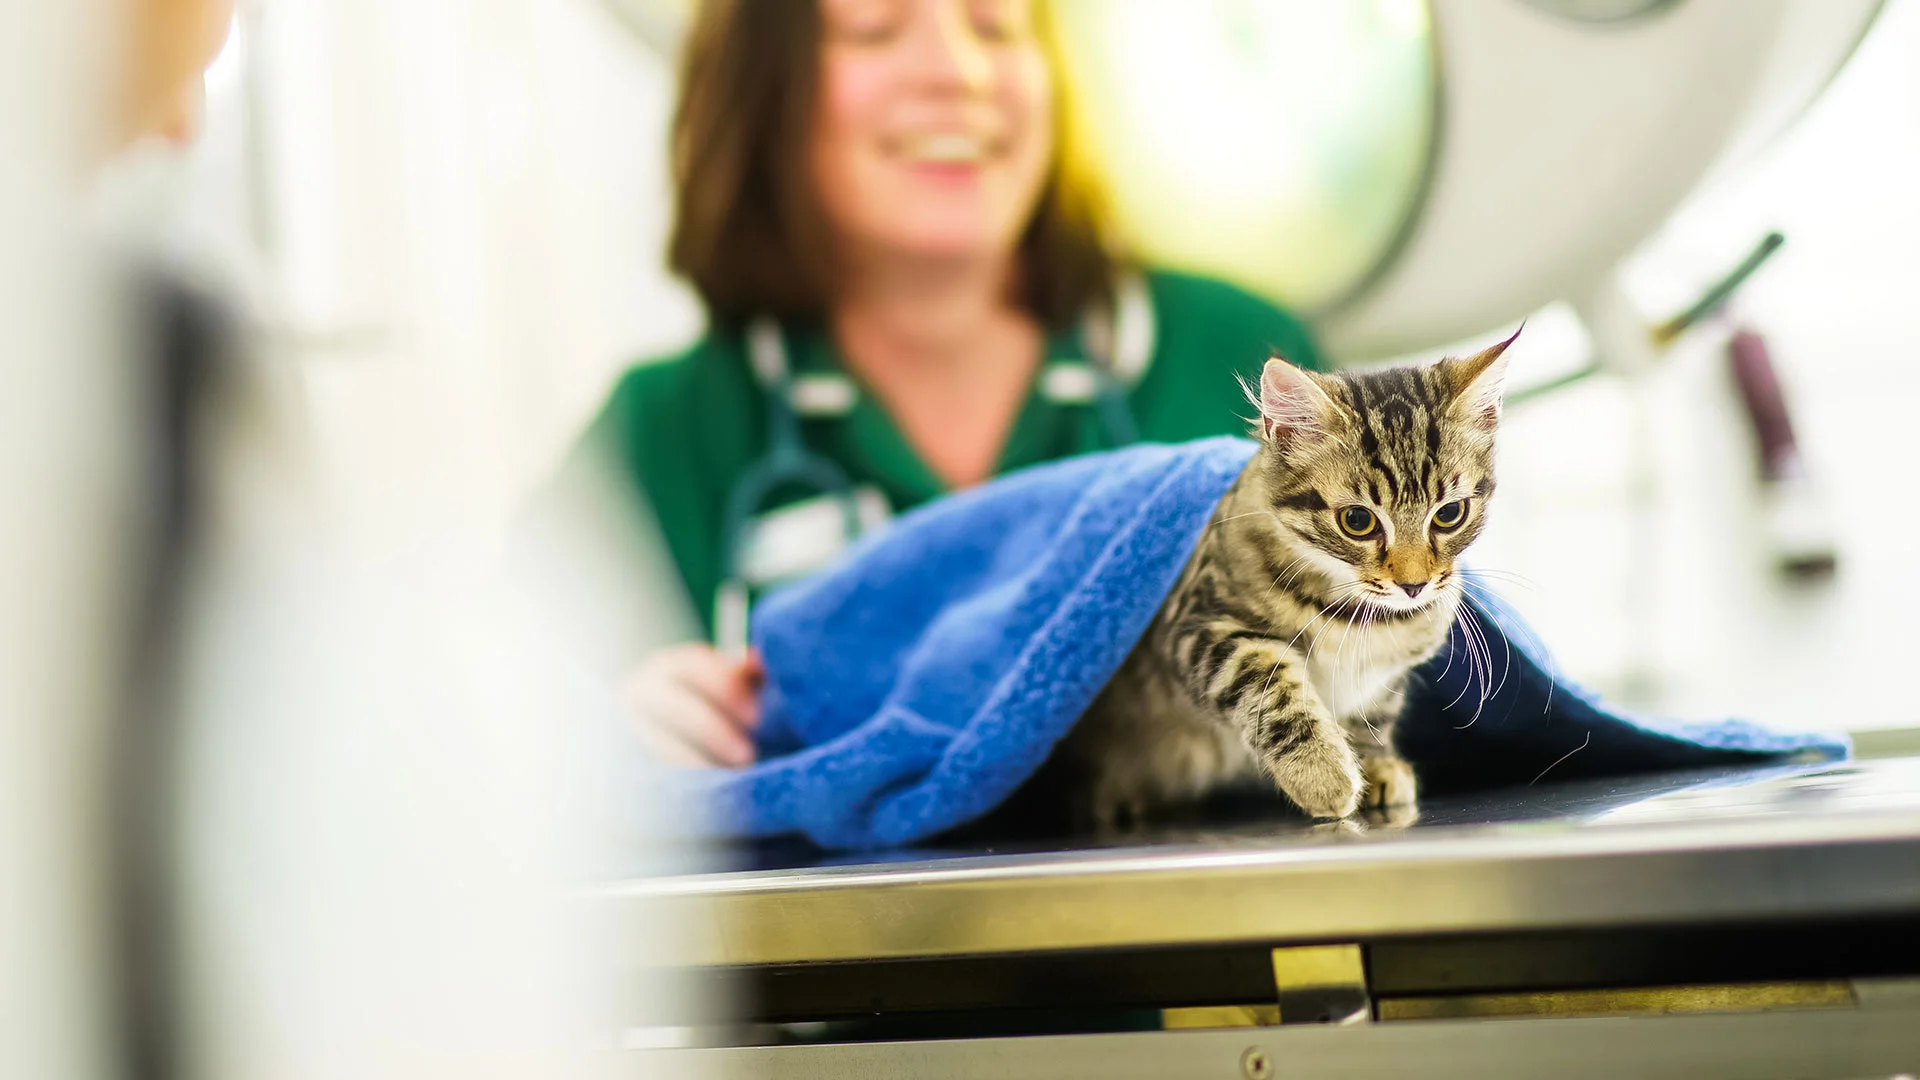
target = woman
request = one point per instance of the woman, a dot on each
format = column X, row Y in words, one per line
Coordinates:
column 896, row 183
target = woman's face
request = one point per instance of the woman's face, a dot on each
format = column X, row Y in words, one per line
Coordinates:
column 933, row 132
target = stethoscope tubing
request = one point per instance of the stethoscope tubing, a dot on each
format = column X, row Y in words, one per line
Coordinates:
column 789, row 463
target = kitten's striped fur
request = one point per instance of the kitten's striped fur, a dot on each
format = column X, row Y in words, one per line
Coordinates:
column 1286, row 646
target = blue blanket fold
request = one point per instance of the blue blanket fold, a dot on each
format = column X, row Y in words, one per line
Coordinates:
column 915, row 686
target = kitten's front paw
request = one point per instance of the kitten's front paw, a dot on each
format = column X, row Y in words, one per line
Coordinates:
column 1390, row 817
column 1338, row 829
column 1389, row 782
column 1321, row 776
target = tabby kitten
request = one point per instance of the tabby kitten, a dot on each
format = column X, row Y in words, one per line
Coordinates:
column 1325, row 576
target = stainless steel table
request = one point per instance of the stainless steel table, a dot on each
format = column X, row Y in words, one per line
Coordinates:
column 1704, row 900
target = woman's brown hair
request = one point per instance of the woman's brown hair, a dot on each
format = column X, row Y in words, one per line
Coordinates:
column 747, row 230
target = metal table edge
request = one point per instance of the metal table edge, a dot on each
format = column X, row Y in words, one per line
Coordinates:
column 1476, row 881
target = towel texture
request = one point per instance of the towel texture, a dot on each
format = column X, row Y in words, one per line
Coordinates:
column 915, row 686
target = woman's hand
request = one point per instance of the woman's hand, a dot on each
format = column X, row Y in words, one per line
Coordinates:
column 696, row 706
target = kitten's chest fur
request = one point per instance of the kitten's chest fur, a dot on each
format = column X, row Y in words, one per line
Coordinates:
column 1356, row 667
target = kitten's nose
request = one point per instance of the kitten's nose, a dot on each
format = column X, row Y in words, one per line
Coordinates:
column 1412, row 588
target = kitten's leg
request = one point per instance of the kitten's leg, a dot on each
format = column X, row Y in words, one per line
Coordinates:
column 1112, row 751
column 1390, row 780
column 1259, row 684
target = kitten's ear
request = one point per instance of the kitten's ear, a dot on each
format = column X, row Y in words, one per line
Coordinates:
column 1480, row 380
column 1292, row 405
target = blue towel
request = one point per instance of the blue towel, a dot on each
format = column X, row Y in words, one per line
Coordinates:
column 914, row 687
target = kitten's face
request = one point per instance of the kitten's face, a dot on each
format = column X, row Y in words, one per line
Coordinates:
column 1383, row 478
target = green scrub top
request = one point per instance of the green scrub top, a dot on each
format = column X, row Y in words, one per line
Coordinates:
column 683, row 429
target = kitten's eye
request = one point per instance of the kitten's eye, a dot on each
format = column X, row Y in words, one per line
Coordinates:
column 1450, row 515
column 1358, row 522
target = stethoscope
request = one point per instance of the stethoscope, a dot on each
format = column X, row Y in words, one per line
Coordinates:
column 1117, row 346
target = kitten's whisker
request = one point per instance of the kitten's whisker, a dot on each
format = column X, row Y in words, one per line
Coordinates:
column 1448, row 666
column 1486, row 670
column 1344, row 635
column 1320, row 614
column 1540, row 651
column 1547, row 666
column 1293, row 575
column 1311, row 643
column 1479, row 668
column 1289, row 571
column 1459, row 631
column 1466, row 642
column 1324, row 612
column 1485, row 580
column 1340, row 654
column 1372, row 613
column 1506, row 662
column 1222, row 521
column 1562, row 757
column 1399, row 692
column 1486, row 663
column 1494, row 571
column 1270, row 587
column 1506, row 656
column 1457, row 698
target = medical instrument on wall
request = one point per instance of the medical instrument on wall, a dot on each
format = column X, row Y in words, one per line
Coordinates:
column 1794, row 508
column 1794, row 521
column 1669, row 330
